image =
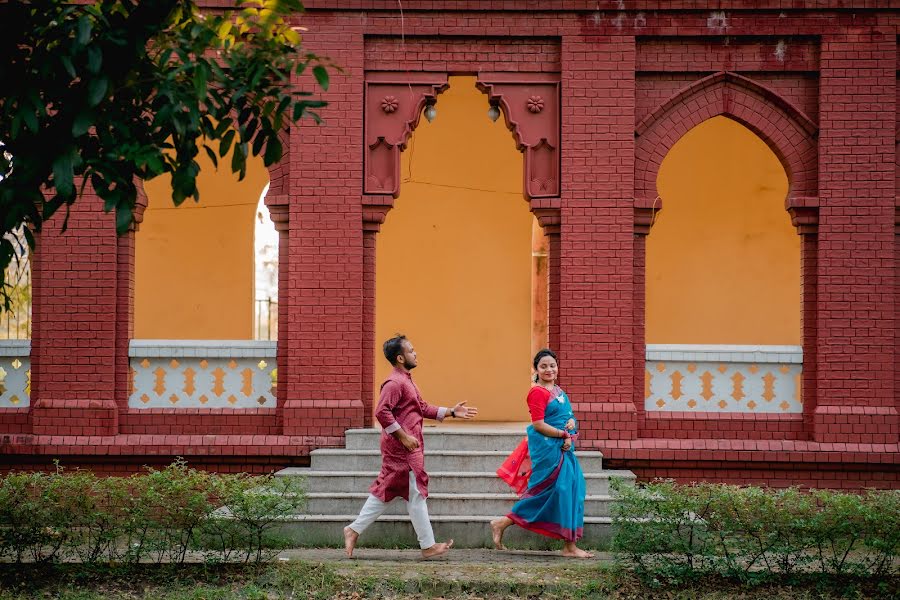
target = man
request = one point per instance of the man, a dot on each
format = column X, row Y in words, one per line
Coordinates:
column 400, row 412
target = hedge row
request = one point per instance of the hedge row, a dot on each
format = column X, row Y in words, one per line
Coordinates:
column 667, row 531
column 157, row 516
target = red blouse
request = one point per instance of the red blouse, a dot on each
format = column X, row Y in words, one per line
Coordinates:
column 538, row 398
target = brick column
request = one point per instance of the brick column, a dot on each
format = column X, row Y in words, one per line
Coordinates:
column 644, row 215
column 596, row 263
column 279, row 212
column 375, row 209
column 551, row 222
column 805, row 217
column 75, row 333
column 325, row 289
column 855, row 314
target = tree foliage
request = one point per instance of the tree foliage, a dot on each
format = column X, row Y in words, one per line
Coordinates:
column 116, row 91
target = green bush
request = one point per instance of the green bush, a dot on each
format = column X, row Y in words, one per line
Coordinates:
column 160, row 515
column 672, row 532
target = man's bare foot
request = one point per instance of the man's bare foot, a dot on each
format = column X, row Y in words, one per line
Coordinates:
column 498, row 526
column 350, row 538
column 576, row 552
column 437, row 549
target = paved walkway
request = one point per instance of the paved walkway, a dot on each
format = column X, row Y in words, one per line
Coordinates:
column 461, row 556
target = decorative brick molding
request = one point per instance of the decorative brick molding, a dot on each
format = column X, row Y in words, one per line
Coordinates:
column 393, row 106
column 530, row 106
column 785, row 128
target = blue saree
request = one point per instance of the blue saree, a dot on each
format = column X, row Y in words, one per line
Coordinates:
column 553, row 503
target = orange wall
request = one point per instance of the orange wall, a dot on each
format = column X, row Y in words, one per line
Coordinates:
column 194, row 274
column 723, row 260
column 454, row 261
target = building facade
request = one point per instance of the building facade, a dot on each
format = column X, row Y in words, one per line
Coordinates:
column 592, row 99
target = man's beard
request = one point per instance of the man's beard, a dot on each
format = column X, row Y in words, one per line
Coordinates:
column 410, row 367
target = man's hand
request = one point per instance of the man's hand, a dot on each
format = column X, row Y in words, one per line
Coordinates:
column 408, row 441
column 460, row 411
column 567, row 444
column 570, row 425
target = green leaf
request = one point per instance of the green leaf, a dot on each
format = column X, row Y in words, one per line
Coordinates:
column 212, row 155
column 83, row 35
column 96, row 90
column 31, row 121
column 321, row 76
column 124, row 217
column 273, row 151
column 63, row 173
column 94, row 59
column 82, row 123
column 200, row 76
column 68, row 66
column 225, row 145
column 239, row 160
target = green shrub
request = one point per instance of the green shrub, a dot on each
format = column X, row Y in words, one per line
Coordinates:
column 672, row 532
column 160, row 515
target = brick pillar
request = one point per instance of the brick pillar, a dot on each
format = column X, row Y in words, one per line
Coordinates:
column 325, row 287
column 279, row 212
column 596, row 263
column 125, row 274
column 375, row 209
column 855, row 314
column 644, row 215
column 76, row 324
column 805, row 217
column 550, row 220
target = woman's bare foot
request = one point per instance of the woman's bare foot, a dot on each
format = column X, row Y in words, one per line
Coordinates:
column 498, row 526
column 350, row 538
column 573, row 551
column 437, row 549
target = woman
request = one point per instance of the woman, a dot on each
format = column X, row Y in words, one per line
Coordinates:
column 553, row 503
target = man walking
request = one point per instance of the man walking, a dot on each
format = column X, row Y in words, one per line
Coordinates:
column 401, row 411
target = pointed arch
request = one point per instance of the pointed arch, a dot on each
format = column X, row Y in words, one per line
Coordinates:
column 789, row 132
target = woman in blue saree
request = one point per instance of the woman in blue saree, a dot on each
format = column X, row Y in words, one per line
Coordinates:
column 553, row 503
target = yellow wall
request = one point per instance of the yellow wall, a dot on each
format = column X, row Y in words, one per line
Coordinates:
column 194, row 273
column 723, row 260
column 454, row 261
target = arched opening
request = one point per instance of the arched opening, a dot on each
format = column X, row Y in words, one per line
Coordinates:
column 265, row 245
column 15, row 323
column 723, row 278
column 195, row 297
column 454, row 261
column 195, row 264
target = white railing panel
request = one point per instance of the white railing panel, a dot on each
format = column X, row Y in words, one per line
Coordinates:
column 732, row 379
column 202, row 374
column 15, row 373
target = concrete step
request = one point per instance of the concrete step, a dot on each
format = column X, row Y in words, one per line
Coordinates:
column 440, row 482
column 391, row 531
column 445, row 439
column 333, row 459
column 493, row 505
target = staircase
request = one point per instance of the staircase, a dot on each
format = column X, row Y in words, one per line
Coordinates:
column 464, row 491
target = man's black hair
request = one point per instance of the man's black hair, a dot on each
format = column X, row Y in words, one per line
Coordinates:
column 394, row 347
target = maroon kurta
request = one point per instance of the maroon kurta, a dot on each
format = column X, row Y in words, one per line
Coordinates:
column 401, row 406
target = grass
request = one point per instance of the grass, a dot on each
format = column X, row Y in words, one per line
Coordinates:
column 346, row 581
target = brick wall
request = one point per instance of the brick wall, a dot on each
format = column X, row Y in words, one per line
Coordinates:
column 818, row 83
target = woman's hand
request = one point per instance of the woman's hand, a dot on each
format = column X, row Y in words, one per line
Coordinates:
column 570, row 425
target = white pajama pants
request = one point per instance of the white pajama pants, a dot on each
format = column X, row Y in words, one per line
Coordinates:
column 418, row 514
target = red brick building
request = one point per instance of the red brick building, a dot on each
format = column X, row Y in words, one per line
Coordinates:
column 596, row 93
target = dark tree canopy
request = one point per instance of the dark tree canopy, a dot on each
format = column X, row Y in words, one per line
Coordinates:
column 116, row 91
